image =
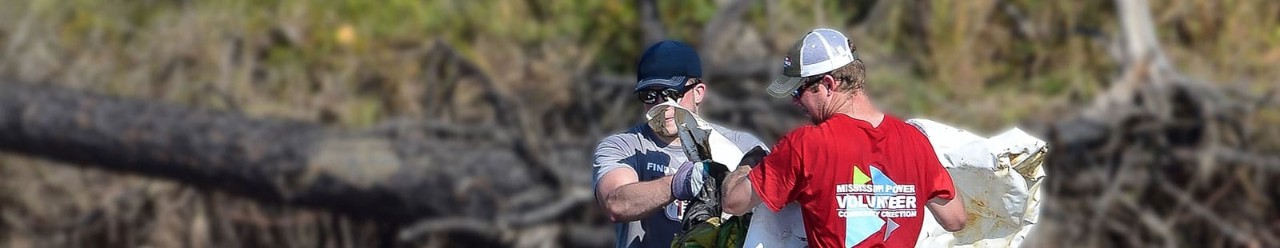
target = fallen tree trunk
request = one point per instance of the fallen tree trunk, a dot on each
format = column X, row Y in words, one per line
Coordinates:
column 396, row 173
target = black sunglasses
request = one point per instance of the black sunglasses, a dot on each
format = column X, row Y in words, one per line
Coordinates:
column 655, row 95
column 808, row 82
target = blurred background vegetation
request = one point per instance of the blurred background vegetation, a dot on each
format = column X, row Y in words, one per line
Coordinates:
column 983, row 64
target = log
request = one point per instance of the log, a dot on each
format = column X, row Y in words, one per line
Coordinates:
column 394, row 173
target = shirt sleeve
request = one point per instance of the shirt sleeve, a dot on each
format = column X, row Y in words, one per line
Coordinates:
column 940, row 184
column 776, row 179
column 746, row 141
column 609, row 155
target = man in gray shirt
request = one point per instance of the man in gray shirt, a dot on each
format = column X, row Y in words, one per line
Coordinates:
column 633, row 169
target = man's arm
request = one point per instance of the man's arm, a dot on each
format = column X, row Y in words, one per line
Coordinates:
column 625, row 198
column 949, row 213
column 738, row 196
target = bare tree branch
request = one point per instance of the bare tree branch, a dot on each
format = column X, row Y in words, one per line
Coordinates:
column 650, row 21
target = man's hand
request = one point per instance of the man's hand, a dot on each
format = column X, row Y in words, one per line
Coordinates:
column 688, row 180
column 739, row 197
column 754, row 157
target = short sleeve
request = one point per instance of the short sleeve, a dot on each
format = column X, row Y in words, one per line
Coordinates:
column 942, row 186
column 939, row 180
column 744, row 140
column 609, row 156
column 776, row 179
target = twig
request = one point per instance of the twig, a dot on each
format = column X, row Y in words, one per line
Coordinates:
column 1228, row 229
column 1150, row 220
column 571, row 199
column 1140, row 34
column 715, row 31
column 650, row 21
column 1266, row 164
column 470, row 226
column 502, row 226
column 442, row 129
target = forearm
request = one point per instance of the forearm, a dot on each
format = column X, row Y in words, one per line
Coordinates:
column 950, row 214
column 739, row 197
column 637, row 200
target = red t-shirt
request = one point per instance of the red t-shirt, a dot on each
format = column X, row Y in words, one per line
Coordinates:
column 857, row 185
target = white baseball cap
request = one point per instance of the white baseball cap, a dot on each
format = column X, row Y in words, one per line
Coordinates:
column 821, row 50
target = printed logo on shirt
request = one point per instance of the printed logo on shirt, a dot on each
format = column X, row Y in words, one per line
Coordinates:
column 871, row 203
column 660, row 168
column 675, row 210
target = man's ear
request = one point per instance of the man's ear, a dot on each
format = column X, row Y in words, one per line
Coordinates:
column 831, row 82
column 701, row 90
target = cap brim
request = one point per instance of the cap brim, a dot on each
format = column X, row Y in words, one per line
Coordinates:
column 784, row 85
column 672, row 82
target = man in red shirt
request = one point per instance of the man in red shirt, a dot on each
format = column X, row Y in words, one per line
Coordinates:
column 862, row 177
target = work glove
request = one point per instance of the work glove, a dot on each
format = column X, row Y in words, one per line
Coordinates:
column 698, row 183
column 691, row 179
column 687, row 183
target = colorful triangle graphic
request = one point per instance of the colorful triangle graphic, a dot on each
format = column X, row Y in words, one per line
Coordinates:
column 859, row 177
column 860, row 225
column 888, row 229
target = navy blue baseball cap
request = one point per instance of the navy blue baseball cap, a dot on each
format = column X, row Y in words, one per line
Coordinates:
column 667, row 64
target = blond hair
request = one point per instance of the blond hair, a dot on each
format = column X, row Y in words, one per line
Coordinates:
column 854, row 74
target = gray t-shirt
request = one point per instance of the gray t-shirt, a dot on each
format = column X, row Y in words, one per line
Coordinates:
column 641, row 150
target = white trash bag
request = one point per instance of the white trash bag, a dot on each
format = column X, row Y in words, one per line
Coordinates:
column 999, row 180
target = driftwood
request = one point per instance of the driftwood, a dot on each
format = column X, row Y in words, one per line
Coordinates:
column 1160, row 159
column 394, row 173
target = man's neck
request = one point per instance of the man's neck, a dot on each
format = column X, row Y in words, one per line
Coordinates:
column 671, row 141
column 859, row 107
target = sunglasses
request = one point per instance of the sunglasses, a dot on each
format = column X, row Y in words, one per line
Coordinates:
column 655, row 95
column 809, row 82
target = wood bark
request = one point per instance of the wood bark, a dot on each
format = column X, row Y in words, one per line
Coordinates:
column 396, row 172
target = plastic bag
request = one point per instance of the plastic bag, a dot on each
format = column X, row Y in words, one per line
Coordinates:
column 999, row 180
